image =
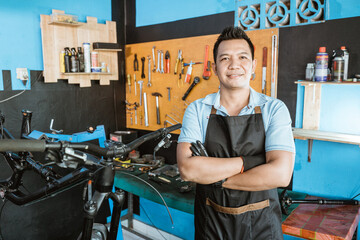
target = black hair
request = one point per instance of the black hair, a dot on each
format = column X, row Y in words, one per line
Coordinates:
column 230, row 33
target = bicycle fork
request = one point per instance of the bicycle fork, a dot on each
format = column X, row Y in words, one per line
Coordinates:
column 103, row 190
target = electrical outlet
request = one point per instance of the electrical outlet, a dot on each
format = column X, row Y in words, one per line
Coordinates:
column 22, row 74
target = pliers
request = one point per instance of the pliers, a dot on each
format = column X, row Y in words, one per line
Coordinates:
column 179, row 59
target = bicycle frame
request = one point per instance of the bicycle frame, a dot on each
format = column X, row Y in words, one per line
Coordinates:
column 17, row 154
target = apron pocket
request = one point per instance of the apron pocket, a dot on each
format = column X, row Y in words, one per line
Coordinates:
column 238, row 210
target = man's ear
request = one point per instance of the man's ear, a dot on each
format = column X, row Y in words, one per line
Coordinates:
column 254, row 65
column 213, row 65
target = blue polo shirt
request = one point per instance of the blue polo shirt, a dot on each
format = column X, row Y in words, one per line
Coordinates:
column 276, row 118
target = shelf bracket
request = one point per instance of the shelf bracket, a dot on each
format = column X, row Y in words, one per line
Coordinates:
column 310, row 144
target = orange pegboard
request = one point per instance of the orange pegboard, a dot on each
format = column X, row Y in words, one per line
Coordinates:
column 193, row 49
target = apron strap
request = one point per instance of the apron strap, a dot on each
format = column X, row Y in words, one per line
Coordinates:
column 258, row 115
column 257, row 109
column 213, row 110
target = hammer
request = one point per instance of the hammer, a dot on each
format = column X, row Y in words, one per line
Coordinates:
column 156, row 94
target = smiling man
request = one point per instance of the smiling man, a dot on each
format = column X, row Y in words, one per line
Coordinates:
column 250, row 147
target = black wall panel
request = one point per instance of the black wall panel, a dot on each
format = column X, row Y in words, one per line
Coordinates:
column 299, row 45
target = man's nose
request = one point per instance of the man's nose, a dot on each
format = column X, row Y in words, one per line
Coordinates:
column 234, row 64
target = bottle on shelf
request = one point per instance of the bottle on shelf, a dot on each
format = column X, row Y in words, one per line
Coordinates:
column 87, row 63
column 62, row 61
column 346, row 61
column 74, row 62
column 321, row 65
column 81, row 60
column 67, row 59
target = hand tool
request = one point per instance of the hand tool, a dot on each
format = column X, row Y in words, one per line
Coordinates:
column 167, row 62
column 129, row 82
column 177, row 61
column 167, row 115
column 264, row 63
column 182, row 67
column 140, row 116
column 135, row 108
column 273, row 64
column 158, row 61
column 207, row 71
column 135, row 83
column 157, row 95
column 162, row 62
column 146, row 111
column 196, row 81
column 141, row 90
column 169, row 88
column 189, row 71
column 142, row 67
column 136, row 63
column 149, row 75
column 167, row 122
column 153, row 54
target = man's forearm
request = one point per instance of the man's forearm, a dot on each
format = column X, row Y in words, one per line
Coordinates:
column 207, row 170
column 275, row 173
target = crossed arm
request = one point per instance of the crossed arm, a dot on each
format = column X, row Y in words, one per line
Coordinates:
column 276, row 172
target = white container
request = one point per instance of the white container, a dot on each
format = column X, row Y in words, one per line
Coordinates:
column 346, row 62
column 87, row 58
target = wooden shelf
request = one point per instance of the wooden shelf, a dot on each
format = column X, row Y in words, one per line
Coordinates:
column 107, row 50
column 320, row 83
column 305, row 134
column 77, row 24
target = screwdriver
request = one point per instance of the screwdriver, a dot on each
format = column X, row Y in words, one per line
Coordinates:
column 167, row 62
column 129, row 82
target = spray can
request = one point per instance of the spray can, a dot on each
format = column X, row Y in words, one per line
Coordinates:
column 346, row 61
column 87, row 64
column 321, row 65
column 74, row 61
column 338, row 69
column 62, row 61
column 67, row 59
column 81, row 60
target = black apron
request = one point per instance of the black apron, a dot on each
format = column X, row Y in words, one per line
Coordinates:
column 222, row 213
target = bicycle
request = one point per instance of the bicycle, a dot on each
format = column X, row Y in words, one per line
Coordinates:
column 89, row 162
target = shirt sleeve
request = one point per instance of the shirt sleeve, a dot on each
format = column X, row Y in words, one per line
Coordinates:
column 191, row 128
column 279, row 134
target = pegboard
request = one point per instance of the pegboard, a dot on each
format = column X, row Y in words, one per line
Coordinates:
column 56, row 36
column 193, row 49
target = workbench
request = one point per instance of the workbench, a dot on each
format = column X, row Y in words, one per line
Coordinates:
column 309, row 221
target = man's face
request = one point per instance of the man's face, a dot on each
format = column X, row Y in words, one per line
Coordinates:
column 234, row 64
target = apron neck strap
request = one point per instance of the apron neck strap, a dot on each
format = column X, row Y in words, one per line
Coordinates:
column 213, row 110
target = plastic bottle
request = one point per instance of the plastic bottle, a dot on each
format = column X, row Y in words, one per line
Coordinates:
column 87, row 64
column 321, row 65
column 346, row 61
column 62, row 61
column 81, row 60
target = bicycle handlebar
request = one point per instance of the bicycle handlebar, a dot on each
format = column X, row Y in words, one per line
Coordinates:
column 79, row 175
column 23, row 145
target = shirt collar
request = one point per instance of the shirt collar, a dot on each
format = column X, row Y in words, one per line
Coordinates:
column 256, row 99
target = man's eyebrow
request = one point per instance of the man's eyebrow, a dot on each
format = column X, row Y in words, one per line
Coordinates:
column 239, row 53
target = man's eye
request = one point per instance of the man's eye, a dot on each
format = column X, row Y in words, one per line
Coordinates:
column 243, row 57
column 224, row 59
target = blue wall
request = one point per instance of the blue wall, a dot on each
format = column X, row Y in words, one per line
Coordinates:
column 20, row 34
column 162, row 11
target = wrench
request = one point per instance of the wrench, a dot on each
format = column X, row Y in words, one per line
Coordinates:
column 149, row 77
column 142, row 67
column 158, row 63
column 153, row 53
column 162, row 62
column 196, row 81
column 141, row 87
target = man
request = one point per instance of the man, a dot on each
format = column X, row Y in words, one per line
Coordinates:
column 249, row 140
